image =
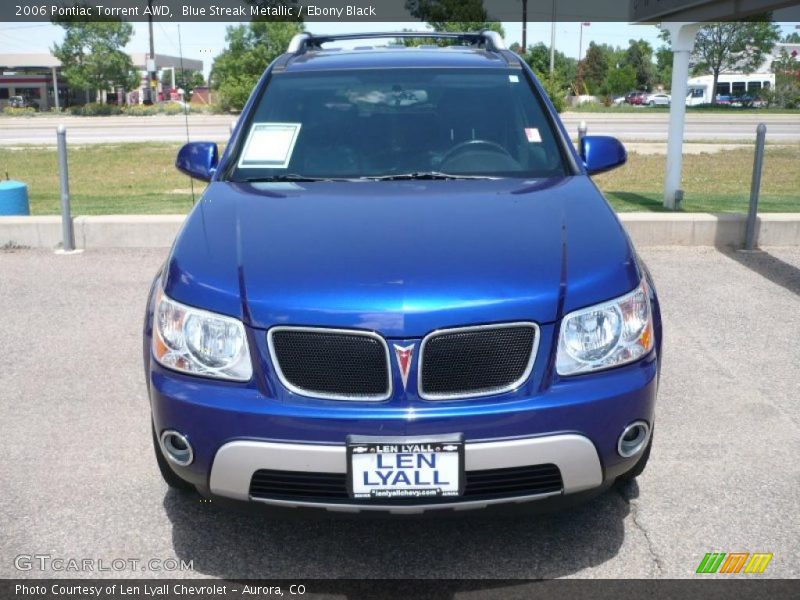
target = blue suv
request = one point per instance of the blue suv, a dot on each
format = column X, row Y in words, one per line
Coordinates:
column 401, row 291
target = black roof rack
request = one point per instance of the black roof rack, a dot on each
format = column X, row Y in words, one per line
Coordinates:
column 491, row 40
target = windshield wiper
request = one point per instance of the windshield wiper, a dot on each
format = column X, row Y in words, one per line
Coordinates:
column 429, row 175
column 294, row 177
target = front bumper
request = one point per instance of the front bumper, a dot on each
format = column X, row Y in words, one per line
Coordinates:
column 574, row 455
column 236, row 430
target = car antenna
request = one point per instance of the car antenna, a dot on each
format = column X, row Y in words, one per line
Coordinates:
column 185, row 104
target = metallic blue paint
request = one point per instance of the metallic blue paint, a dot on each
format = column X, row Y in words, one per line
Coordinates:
column 402, row 258
column 198, row 160
column 602, row 153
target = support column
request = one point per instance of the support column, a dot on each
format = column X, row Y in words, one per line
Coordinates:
column 55, row 89
column 682, row 36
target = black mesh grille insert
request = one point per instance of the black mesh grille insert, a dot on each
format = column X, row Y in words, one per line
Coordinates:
column 332, row 487
column 513, row 481
column 331, row 364
column 477, row 361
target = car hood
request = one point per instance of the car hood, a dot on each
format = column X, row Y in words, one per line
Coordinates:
column 403, row 257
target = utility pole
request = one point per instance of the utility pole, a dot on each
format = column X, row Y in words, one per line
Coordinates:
column 580, row 38
column 524, row 26
column 151, row 63
column 553, row 41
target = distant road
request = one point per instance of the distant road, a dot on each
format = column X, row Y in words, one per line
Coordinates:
column 699, row 127
column 626, row 126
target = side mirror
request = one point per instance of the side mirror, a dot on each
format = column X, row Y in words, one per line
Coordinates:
column 602, row 153
column 198, row 160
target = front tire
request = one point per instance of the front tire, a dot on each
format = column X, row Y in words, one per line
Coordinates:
column 169, row 476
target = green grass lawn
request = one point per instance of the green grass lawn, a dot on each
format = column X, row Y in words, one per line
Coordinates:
column 141, row 179
column 104, row 179
column 717, row 182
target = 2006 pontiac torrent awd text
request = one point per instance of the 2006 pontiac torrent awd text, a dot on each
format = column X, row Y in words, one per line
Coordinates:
column 401, row 291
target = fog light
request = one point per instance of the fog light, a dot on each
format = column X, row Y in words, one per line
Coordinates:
column 633, row 438
column 177, row 448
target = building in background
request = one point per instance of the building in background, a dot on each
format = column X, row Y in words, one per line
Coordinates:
column 36, row 77
column 736, row 84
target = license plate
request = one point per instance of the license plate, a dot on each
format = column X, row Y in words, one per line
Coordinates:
column 405, row 468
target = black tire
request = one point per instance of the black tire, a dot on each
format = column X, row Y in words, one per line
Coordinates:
column 638, row 468
column 169, row 476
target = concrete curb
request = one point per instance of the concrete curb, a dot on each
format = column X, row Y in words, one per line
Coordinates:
column 646, row 229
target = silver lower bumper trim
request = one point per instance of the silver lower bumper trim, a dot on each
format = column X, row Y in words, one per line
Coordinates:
column 405, row 509
column 235, row 463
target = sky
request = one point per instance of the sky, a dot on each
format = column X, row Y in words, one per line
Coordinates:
column 203, row 41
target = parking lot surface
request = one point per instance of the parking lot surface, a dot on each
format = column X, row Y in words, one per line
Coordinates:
column 79, row 479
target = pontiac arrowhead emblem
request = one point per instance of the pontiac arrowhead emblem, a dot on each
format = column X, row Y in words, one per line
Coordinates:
column 404, row 354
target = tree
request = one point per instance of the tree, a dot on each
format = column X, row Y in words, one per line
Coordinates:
column 787, row 80
column 91, row 55
column 664, row 66
column 442, row 14
column 458, row 26
column 639, row 55
column 594, row 66
column 733, row 46
column 792, row 38
column 453, row 15
column 251, row 48
column 619, row 81
column 185, row 80
column 538, row 59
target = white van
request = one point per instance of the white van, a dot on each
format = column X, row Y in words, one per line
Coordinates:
column 730, row 86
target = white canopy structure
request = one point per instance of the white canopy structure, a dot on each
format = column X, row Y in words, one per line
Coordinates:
column 683, row 19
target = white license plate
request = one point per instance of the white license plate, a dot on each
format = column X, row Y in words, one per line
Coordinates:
column 405, row 469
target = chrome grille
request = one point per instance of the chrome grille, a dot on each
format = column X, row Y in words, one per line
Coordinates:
column 334, row 364
column 476, row 361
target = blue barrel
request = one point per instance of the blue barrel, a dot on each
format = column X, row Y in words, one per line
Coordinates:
column 14, row 198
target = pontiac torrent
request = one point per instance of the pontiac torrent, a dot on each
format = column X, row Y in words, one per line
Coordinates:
column 401, row 291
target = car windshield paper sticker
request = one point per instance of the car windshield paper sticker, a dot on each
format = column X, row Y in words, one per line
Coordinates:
column 513, row 78
column 269, row 145
column 533, row 135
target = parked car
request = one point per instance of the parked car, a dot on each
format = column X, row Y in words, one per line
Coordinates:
column 22, row 102
column 658, row 99
column 635, row 98
column 401, row 291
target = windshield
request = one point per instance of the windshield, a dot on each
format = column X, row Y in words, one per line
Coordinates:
column 409, row 123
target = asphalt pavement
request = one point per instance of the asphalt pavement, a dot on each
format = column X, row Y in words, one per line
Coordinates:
column 629, row 127
column 79, row 479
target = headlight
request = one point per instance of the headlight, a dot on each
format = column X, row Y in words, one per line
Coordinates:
column 199, row 342
column 606, row 335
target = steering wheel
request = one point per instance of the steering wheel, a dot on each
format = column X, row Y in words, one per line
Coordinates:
column 471, row 145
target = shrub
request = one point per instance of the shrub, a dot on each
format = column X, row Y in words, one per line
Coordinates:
column 171, row 109
column 140, row 110
column 13, row 111
column 95, row 110
column 555, row 89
